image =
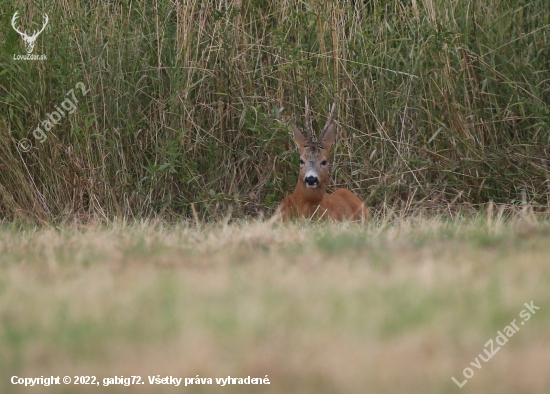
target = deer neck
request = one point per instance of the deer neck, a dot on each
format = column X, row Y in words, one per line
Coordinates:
column 309, row 195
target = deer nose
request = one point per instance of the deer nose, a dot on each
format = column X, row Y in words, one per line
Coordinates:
column 312, row 180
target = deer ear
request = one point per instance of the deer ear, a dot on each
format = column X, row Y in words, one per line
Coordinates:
column 298, row 136
column 330, row 135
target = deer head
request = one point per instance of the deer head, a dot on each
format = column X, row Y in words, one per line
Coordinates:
column 29, row 40
column 314, row 154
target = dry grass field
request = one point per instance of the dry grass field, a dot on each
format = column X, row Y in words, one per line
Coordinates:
column 398, row 306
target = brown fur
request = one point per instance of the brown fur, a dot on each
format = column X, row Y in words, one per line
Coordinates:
column 310, row 202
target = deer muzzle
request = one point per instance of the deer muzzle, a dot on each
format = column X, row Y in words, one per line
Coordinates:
column 311, row 179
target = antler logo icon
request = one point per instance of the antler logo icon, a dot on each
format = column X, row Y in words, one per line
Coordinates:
column 29, row 40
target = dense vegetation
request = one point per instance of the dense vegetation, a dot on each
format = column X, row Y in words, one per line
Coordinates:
column 441, row 102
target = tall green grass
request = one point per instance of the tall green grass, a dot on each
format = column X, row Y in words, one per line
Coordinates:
column 440, row 102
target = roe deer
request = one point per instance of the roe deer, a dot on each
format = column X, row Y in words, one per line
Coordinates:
column 309, row 198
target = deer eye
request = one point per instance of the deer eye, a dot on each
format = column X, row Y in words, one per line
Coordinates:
column 302, row 162
column 324, row 163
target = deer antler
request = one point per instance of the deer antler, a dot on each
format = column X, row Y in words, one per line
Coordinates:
column 308, row 123
column 329, row 119
column 43, row 27
column 14, row 20
column 29, row 40
column 35, row 33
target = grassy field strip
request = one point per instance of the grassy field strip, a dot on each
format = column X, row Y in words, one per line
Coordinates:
column 394, row 307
